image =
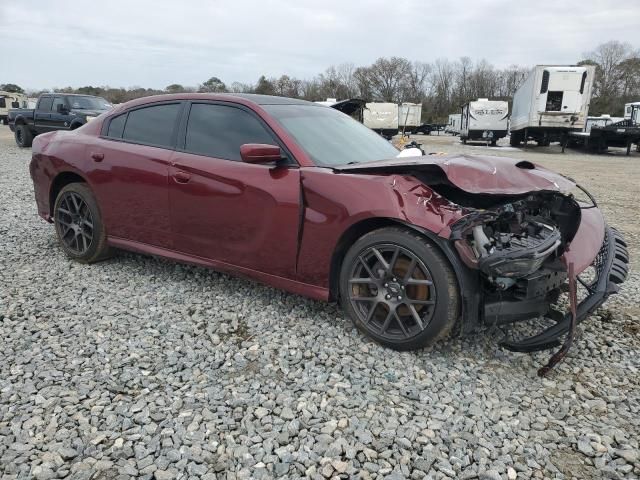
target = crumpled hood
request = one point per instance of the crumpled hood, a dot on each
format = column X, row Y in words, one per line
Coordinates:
column 474, row 173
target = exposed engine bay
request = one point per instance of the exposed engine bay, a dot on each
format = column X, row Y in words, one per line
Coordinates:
column 515, row 239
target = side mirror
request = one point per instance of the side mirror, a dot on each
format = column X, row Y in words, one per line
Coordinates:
column 260, row 153
column 61, row 108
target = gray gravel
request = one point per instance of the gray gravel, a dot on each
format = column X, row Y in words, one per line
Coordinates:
column 142, row 368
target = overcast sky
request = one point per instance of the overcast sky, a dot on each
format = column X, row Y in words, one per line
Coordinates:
column 154, row 43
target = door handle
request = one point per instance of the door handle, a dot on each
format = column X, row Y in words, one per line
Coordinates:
column 98, row 157
column 182, row 177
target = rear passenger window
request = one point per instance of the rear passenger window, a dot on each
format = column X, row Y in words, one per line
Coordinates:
column 116, row 126
column 152, row 125
column 3, row 103
column 45, row 103
column 219, row 131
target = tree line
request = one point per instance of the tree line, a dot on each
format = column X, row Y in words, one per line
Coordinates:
column 441, row 86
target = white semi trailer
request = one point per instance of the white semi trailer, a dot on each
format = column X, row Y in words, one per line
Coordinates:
column 484, row 119
column 382, row 117
column 551, row 102
column 454, row 123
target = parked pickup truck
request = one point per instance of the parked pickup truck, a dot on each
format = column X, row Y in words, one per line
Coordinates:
column 54, row 111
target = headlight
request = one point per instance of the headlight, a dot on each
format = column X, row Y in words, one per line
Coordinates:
column 516, row 268
column 89, row 118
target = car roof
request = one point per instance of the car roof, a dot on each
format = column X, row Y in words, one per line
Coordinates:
column 243, row 98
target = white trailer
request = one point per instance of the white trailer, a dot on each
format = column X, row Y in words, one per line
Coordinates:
column 409, row 116
column 9, row 100
column 382, row 117
column 453, row 126
column 485, row 120
column 550, row 103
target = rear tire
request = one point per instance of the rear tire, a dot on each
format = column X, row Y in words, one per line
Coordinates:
column 23, row 136
column 406, row 302
column 515, row 139
column 79, row 226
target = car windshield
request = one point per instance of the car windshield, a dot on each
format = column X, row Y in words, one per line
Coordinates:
column 329, row 137
column 89, row 103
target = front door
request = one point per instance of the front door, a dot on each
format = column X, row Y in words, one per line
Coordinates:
column 224, row 209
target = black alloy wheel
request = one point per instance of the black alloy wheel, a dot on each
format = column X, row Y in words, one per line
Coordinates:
column 391, row 291
column 399, row 289
column 76, row 223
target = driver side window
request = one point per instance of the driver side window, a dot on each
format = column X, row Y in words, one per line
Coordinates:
column 218, row 131
column 57, row 101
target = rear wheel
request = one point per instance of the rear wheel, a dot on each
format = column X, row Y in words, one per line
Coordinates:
column 23, row 135
column 515, row 139
column 79, row 224
column 399, row 289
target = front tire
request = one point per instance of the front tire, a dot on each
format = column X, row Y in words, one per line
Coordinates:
column 23, row 136
column 79, row 226
column 399, row 289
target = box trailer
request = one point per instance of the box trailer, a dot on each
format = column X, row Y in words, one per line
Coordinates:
column 485, row 120
column 550, row 103
column 382, row 117
column 410, row 117
column 9, row 100
column 453, row 126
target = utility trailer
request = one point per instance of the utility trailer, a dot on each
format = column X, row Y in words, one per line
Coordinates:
column 485, row 120
column 550, row 103
column 623, row 134
column 453, row 126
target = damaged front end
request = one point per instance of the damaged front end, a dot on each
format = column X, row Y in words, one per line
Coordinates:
column 522, row 239
column 522, row 250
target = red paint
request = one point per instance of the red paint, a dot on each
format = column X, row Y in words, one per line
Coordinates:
column 250, row 218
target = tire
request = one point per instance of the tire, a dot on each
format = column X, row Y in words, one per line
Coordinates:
column 77, row 217
column 23, row 136
column 515, row 140
column 494, row 143
column 375, row 296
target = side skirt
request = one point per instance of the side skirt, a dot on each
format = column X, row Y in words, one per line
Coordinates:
column 293, row 286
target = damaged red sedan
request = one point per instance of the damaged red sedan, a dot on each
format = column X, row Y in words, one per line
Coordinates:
column 302, row 197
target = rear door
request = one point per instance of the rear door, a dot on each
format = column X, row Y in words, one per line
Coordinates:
column 42, row 113
column 129, row 172
column 227, row 210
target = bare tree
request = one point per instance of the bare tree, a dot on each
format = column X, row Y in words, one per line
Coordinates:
column 387, row 76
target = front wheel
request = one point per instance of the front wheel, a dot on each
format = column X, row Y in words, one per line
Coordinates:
column 23, row 135
column 79, row 226
column 399, row 289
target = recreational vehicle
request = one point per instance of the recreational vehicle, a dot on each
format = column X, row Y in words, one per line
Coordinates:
column 382, row 117
column 9, row 100
column 453, row 126
column 485, row 120
column 552, row 101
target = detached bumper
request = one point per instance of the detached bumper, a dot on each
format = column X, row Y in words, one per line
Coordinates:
column 611, row 266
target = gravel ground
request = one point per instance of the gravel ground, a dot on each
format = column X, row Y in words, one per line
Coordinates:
column 142, row 368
